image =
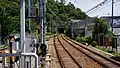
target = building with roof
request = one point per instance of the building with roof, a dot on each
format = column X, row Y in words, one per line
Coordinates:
column 116, row 21
column 81, row 27
column 115, row 25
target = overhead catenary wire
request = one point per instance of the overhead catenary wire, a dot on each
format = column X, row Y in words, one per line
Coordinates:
column 98, row 6
column 74, row 1
column 103, row 7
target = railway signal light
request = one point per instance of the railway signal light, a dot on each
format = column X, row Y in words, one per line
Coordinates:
column 43, row 49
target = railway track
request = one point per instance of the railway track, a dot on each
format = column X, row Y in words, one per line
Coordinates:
column 98, row 58
column 83, row 60
column 53, row 55
column 72, row 54
column 65, row 59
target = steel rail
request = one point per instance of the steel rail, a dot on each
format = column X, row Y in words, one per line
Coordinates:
column 108, row 59
column 69, row 53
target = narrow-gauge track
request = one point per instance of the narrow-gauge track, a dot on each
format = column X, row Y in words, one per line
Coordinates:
column 102, row 60
column 66, row 60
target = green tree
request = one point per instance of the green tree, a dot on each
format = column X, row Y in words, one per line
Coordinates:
column 62, row 13
column 101, row 28
column 9, row 17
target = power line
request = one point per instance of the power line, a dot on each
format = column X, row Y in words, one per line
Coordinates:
column 100, row 8
column 99, row 5
column 74, row 1
column 103, row 7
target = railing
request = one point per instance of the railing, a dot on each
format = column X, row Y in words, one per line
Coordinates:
column 30, row 60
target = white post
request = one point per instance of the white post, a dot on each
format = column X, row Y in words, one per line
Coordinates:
column 22, row 30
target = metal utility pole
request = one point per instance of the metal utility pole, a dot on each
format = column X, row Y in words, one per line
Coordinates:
column 112, row 15
column 45, row 1
column 22, row 24
column 32, row 9
column 41, row 19
column 22, row 30
column 29, row 14
column 42, row 27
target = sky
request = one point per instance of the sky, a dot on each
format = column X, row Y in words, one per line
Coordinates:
column 105, row 10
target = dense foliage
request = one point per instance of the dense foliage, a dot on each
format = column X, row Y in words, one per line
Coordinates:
column 10, row 18
column 101, row 31
column 60, row 14
column 101, row 27
column 57, row 14
column 84, row 39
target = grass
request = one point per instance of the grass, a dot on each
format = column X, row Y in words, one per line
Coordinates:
column 3, row 46
column 108, row 51
column 94, row 44
column 49, row 35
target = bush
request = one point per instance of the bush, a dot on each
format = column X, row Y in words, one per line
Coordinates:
column 89, row 40
column 85, row 39
column 78, row 39
column 94, row 43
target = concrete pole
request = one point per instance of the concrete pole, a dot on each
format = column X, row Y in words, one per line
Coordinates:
column 22, row 30
column 112, row 14
column 112, row 19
